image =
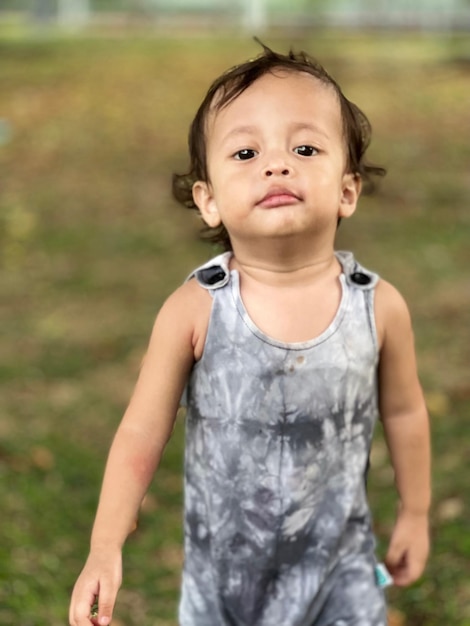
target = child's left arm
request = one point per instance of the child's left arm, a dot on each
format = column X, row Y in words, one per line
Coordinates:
column 406, row 426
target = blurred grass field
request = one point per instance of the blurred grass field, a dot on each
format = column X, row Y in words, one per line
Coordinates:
column 92, row 243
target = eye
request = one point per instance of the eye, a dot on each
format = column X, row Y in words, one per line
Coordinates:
column 245, row 154
column 306, row 151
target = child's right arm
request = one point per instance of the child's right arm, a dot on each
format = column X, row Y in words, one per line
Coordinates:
column 176, row 340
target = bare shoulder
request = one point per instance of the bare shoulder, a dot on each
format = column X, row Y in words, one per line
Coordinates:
column 186, row 313
column 174, row 345
column 391, row 312
column 400, row 390
column 188, row 294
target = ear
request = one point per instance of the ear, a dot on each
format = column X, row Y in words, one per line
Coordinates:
column 205, row 202
column 350, row 192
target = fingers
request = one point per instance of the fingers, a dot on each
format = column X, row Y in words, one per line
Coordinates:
column 106, row 601
column 404, row 565
column 85, row 600
column 80, row 608
column 100, row 580
column 400, row 574
column 396, row 563
column 82, row 611
column 409, row 548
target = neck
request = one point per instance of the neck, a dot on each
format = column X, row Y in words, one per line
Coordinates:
column 284, row 265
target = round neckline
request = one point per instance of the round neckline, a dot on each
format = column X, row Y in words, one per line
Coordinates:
column 295, row 345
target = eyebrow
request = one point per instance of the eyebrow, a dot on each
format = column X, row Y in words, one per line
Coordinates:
column 239, row 130
column 295, row 127
column 299, row 126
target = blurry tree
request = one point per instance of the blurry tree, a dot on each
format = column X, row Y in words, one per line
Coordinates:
column 44, row 10
column 255, row 15
column 425, row 14
column 73, row 13
column 15, row 5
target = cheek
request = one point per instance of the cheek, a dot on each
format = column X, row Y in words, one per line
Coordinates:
column 227, row 185
column 327, row 180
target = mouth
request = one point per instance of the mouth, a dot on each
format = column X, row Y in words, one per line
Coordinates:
column 277, row 197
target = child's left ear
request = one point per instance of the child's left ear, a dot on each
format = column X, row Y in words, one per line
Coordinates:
column 350, row 192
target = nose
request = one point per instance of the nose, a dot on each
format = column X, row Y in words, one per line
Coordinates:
column 273, row 171
column 277, row 166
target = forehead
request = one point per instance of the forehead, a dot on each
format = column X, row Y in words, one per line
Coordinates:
column 290, row 94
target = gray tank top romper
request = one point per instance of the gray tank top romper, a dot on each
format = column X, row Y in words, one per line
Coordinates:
column 277, row 525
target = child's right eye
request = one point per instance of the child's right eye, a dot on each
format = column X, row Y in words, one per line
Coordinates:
column 245, row 154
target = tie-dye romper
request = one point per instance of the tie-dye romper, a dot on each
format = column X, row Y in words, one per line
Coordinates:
column 277, row 525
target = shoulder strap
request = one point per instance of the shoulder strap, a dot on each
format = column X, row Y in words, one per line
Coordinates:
column 356, row 275
column 213, row 274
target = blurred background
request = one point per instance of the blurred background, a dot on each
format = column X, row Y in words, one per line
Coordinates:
column 96, row 97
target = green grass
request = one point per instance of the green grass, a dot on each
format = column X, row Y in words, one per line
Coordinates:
column 91, row 244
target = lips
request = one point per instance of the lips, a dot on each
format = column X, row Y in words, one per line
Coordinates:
column 278, row 196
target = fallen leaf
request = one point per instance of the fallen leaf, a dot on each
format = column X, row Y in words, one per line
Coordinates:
column 450, row 509
column 149, row 504
column 42, row 458
column 395, row 618
column 438, row 403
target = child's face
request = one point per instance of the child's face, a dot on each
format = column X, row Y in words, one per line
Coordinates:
column 276, row 160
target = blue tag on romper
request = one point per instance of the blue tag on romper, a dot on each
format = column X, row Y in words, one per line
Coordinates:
column 382, row 576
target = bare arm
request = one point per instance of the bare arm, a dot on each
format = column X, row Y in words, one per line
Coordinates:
column 137, row 447
column 406, row 425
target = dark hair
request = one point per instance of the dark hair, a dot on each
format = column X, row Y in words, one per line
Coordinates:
column 230, row 85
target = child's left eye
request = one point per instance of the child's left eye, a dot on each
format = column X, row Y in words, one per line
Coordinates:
column 305, row 150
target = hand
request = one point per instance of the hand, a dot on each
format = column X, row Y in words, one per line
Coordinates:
column 101, row 576
column 409, row 548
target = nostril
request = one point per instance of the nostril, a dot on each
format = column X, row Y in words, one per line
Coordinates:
column 277, row 171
